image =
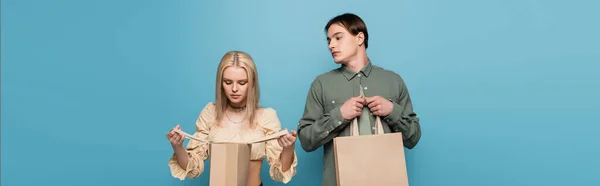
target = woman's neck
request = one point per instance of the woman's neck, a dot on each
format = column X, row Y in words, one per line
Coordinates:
column 237, row 108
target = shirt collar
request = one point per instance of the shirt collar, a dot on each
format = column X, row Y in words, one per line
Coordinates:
column 349, row 74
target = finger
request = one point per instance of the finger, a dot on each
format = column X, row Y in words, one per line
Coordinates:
column 182, row 139
column 290, row 138
column 281, row 141
column 283, row 138
column 294, row 133
column 368, row 100
column 372, row 99
column 362, row 100
column 286, row 141
column 373, row 104
column 375, row 109
column 358, row 99
column 355, row 99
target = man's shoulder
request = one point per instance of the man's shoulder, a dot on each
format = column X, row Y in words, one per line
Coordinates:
column 326, row 75
column 387, row 73
column 329, row 74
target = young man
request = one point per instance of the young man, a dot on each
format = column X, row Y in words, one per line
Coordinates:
column 334, row 99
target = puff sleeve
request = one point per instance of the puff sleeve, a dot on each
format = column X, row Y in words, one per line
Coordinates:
column 197, row 151
column 271, row 124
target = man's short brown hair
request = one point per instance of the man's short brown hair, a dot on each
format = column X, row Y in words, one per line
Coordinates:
column 352, row 23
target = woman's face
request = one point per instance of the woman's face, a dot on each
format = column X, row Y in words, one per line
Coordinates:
column 235, row 84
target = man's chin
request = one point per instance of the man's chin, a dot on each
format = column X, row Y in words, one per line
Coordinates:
column 338, row 61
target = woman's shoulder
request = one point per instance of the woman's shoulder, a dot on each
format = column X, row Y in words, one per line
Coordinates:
column 266, row 112
column 209, row 106
column 268, row 118
column 208, row 111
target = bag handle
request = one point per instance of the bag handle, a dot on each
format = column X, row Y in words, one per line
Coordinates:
column 354, row 127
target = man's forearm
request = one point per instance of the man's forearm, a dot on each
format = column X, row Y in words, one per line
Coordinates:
column 314, row 133
column 405, row 121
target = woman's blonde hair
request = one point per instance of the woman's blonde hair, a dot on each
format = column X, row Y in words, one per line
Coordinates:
column 241, row 60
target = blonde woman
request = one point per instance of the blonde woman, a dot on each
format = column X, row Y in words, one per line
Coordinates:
column 236, row 116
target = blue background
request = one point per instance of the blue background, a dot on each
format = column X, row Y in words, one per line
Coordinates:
column 506, row 89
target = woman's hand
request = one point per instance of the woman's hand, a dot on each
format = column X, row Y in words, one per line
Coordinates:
column 287, row 141
column 175, row 138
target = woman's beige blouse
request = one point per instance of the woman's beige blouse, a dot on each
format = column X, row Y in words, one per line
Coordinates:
column 206, row 128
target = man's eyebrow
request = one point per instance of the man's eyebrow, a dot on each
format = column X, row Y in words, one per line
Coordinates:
column 337, row 33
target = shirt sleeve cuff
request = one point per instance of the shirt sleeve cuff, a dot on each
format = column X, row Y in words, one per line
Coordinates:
column 336, row 119
column 176, row 170
column 278, row 174
column 394, row 117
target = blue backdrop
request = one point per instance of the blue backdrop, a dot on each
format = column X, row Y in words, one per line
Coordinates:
column 506, row 90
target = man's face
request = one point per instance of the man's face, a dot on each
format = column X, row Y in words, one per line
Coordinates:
column 342, row 44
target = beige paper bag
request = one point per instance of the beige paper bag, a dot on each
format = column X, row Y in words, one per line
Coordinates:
column 229, row 164
column 370, row 160
column 229, row 161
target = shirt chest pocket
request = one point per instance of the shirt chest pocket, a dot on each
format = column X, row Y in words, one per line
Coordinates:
column 331, row 104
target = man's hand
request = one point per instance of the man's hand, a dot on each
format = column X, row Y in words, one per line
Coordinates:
column 379, row 106
column 352, row 107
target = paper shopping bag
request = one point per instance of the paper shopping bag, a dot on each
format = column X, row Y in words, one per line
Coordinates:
column 370, row 160
column 229, row 160
column 229, row 164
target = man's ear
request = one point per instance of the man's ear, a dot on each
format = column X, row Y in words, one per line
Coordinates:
column 360, row 38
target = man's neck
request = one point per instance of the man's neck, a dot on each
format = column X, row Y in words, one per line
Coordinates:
column 358, row 63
